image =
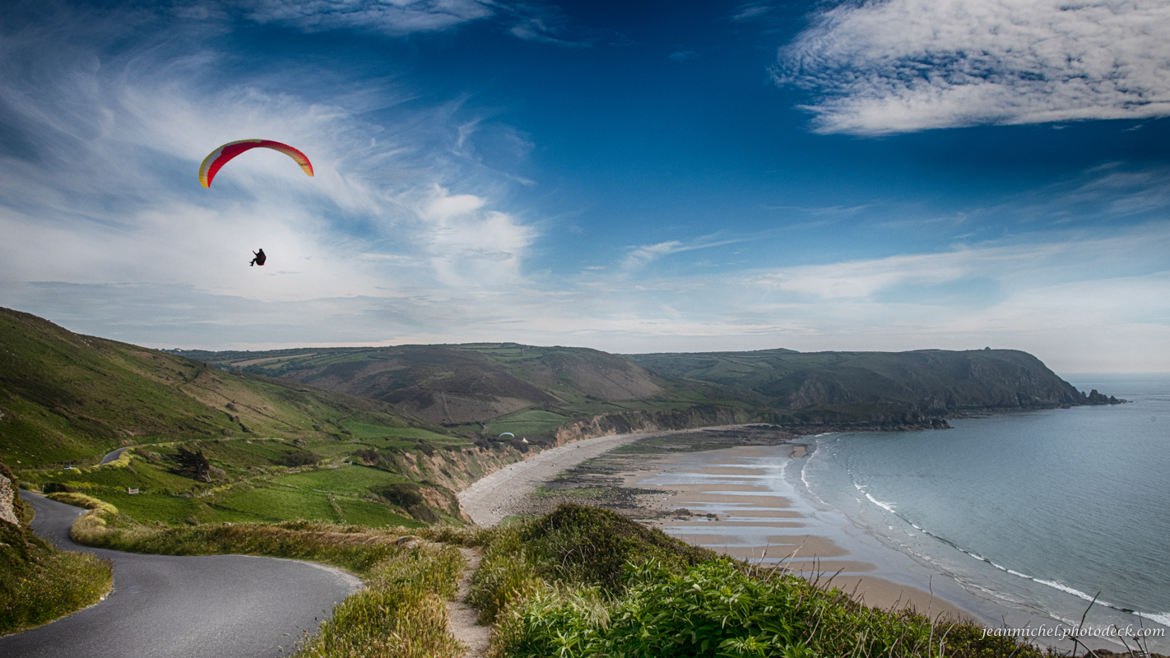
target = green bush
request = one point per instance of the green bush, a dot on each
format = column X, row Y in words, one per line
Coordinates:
column 294, row 458
column 402, row 494
column 592, row 546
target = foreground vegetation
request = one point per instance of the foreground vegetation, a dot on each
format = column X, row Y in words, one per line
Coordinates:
column 39, row 583
column 584, row 581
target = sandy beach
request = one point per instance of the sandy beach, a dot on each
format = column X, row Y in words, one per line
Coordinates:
column 711, row 499
column 505, row 492
column 722, row 500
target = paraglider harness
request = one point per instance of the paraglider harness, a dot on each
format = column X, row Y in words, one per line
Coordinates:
column 259, row 259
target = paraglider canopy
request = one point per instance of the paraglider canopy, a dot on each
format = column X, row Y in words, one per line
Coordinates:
column 220, row 156
column 506, row 434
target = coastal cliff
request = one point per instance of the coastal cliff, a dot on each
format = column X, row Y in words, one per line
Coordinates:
column 648, row 421
column 879, row 387
column 550, row 395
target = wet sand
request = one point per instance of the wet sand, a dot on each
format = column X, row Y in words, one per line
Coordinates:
column 707, row 499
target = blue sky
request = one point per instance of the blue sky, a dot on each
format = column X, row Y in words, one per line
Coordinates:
column 631, row 177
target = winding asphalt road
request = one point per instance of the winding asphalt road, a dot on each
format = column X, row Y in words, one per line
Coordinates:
column 161, row 606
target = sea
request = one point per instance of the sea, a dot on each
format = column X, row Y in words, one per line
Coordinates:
column 1039, row 516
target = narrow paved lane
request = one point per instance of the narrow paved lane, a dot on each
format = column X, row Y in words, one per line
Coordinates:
column 161, row 606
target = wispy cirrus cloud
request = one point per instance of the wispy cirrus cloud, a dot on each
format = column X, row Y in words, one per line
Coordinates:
column 540, row 23
column 395, row 18
column 907, row 65
column 640, row 256
column 749, row 11
column 100, row 172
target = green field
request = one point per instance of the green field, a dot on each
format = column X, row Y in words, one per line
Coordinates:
column 347, row 479
column 529, row 422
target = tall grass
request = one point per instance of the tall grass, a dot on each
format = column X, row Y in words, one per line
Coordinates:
column 50, row 585
column 587, row 582
column 39, row 583
column 401, row 613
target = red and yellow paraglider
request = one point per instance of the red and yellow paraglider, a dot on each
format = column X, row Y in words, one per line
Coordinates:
column 220, row 156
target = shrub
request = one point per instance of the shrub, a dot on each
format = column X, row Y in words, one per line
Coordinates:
column 294, row 458
column 402, row 494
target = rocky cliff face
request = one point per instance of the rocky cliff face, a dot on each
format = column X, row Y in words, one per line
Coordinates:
column 648, row 421
column 9, row 498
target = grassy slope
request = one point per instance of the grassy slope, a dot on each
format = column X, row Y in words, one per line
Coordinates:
column 276, row 451
column 534, row 391
column 477, row 388
column 873, row 384
column 39, row 583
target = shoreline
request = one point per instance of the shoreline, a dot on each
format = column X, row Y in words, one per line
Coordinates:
column 718, row 500
column 724, row 488
column 504, row 492
column 683, row 510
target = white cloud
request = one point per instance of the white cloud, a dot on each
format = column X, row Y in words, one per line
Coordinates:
column 394, row 17
column 469, row 246
column 907, row 65
column 443, row 206
column 750, row 11
column 104, row 192
column 640, row 256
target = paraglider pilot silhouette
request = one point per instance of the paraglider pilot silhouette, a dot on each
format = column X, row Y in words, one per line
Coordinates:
column 220, row 156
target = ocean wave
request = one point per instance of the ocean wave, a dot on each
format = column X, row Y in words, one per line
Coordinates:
column 804, row 475
column 1159, row 618
column 1162, row 618
column 889, row 507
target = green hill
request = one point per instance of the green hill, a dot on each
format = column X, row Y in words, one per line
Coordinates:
column 210, row 445
column 824, row 387
column 572, row 392
column 64, row 396
column 478, row 388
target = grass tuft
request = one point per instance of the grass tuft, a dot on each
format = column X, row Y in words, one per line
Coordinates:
column 401, row 613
